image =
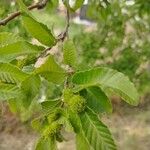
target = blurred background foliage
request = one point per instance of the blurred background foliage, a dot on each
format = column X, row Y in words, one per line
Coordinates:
column 121, row 39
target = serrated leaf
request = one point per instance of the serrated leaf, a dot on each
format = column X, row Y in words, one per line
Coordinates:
column 11, row 74
column 69, row 53
column 51, row 71
column 38, row 30
column 14, row 50
column 8, row 91
column 95, row 132
column 12, row 103
column 50, row 105
column 8, row 38
column 97, row 100
column 75, row 121
column 30, row 88
column 46, row 144
column 108, row 79
column 82, row 143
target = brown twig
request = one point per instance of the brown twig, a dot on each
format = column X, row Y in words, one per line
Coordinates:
column 12, row 16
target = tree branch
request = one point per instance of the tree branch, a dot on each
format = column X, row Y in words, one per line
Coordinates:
column 12, row 16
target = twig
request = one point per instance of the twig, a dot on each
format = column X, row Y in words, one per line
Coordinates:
column 63, row 35
column 12, row 16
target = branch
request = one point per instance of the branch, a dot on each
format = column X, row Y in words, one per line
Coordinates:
column 12, row 16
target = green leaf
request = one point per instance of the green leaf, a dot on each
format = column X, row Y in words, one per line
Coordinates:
column 8, row 91
column 11, row 74
column 82, row 143
column 51, row 71
column 50, row 105
column 69, row 53
column 12, row 105
column 23, row 7
column 8, row 38
column 52, row 5
column 46, row 144
column 78, row 4
column 97, row 100
column 75, row 121
column 30, row 88
column 95, row 132
column 14, row 50
column 38, row 30
column 108, row 79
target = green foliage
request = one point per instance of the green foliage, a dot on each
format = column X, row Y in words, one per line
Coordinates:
column 97, row 100
column 108, row 79
column 95, row 132
column 36, row 29
column 8, row 91
column 12, row 51
column 121, row 39
column 46, row 143
column 51, row 71
column 64, row 97
column 11, row 74
column 69, row 51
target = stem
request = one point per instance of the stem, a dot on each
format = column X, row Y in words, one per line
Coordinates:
column 39, row 5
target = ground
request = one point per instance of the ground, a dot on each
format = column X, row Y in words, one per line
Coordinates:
column 130, row 127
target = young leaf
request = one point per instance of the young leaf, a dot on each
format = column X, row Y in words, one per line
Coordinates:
column 8, row 91
column 30, row 88
column 13, row 106
column 35, row 28
column 95, row 132
column 8, row 38
column 51, row 71
column 82, row 143
column 11, row 74
column 21, row 48
column 75, row 121
column 108, row 79
column 97, row 100
column 38, row 31
column 69, row 53
column 46, row 144
column 50, row 105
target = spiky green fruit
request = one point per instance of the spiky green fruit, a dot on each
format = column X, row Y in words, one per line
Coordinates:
column 77, row 103
column 54, row 116
column 67, row 95
column 52, row 129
